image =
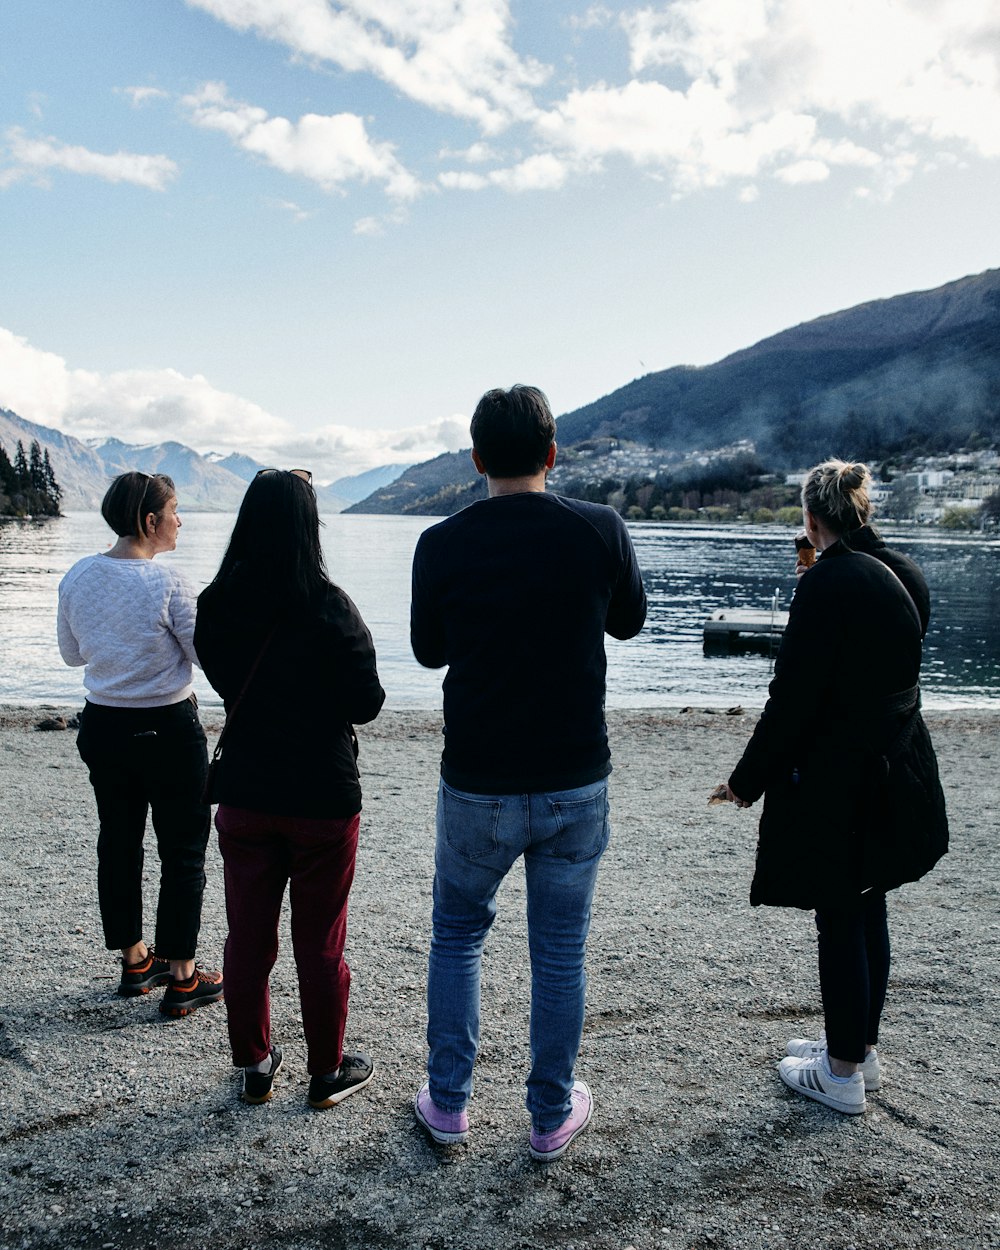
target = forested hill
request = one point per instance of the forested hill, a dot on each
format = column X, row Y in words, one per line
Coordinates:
column 918, row 371
column 915, row 373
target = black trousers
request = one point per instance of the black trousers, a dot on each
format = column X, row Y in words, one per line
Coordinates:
column 141, row 759
column 853, row 973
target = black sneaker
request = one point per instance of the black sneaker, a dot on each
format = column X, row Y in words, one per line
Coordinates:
column 183, row 997
column 257, row 1085
column 354, row 1073
column 140, row 978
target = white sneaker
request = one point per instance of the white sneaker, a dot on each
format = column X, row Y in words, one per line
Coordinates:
column 809, row 1048
column 813, row 1078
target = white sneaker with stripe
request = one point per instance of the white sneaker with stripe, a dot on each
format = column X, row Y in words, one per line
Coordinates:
column 809, row 1048
column 813, row 1078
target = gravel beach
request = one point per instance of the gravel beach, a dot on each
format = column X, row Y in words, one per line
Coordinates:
column 120, row 1128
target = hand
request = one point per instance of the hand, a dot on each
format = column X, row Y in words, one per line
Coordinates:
column 723, row 794
column 801, row 568
column 734, row 798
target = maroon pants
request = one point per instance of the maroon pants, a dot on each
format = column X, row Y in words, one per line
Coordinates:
column 262, row 853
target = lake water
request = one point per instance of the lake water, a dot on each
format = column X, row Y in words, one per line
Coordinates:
column 689, row 572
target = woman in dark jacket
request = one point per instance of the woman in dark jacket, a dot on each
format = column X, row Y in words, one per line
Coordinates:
column 294, row 662
column 852, row 802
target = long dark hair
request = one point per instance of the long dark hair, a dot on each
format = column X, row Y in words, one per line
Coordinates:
column 274, row 550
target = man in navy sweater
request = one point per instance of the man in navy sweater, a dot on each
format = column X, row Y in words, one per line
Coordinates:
column 514, row 594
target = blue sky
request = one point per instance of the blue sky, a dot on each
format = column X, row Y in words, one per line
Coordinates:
column 318, row 231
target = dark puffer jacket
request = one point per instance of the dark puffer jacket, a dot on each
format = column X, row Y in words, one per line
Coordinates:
column 290, row 749
column 852, row 799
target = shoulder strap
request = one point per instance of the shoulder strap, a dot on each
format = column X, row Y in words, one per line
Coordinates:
column 235, row 708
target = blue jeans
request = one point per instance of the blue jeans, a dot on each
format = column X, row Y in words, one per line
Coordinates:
column 562, row 837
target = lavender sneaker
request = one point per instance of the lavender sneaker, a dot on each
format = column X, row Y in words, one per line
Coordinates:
column 448, row 1128
column 548, row 1146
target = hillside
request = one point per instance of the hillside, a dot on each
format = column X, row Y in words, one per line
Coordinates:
column 437, row 487
column 79, row 470
column 205, row 483
column 918, row 372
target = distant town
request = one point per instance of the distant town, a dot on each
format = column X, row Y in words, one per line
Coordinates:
column 958, row 490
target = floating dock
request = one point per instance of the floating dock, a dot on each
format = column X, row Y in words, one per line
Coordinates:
column 744, row 627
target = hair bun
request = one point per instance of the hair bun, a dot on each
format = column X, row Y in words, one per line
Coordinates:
column 853, row 475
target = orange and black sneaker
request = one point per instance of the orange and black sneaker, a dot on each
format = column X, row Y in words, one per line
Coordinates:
column 143, row 976
column 183, row 997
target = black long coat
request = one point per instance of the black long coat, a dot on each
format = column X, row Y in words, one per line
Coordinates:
column 852, row 799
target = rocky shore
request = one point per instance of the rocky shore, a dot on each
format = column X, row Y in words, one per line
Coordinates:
column 121, row 1129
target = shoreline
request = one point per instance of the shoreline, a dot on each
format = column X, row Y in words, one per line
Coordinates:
column 111, row 1110
column 24, row 713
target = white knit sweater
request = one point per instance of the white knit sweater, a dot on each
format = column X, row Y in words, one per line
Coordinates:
column 131, row 622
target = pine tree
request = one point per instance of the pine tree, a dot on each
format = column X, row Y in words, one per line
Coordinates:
column 51, row 487
column 36, row 474
column 28, row 487
column 21, row 477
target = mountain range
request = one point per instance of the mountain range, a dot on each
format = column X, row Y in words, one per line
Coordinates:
column 891, row 378
column 894, row 377
column 209, row 483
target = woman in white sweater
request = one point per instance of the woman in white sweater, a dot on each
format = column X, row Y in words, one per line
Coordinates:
column 131, row 623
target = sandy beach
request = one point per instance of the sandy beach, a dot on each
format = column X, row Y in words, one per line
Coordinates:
column 120, row 1128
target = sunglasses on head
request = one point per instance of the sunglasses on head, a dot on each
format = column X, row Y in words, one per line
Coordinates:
column 304, row 474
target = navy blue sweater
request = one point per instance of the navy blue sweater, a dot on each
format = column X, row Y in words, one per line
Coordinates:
column 515, row 594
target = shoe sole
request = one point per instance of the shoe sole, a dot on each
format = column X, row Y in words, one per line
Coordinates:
column 178, row 1012
column 136, row 991
column 548, row 1156
column 441, row 1136
column 252, row 1101
column 826, row 1099
column 332, row 1099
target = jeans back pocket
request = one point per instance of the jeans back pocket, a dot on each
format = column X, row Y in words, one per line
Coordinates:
column 469, row 824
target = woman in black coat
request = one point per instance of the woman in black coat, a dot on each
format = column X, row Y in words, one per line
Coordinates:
column 294, row 662
column 852, row 802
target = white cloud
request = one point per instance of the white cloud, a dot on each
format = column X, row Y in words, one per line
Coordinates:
column 33, row 383
column 453, row 56
column 474, row 154
column 142, row 95
column 39, row 156
column 328, row 150
column 337, row 450
column 463, row 180
column 697, row 135
column 295, row 211
column 597, row 15
column 865, row 77
column 803, row 171
column 156, row 405
column 542, row 172
column 379, row 225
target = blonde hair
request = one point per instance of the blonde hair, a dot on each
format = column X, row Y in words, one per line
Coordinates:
column 837, row 493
